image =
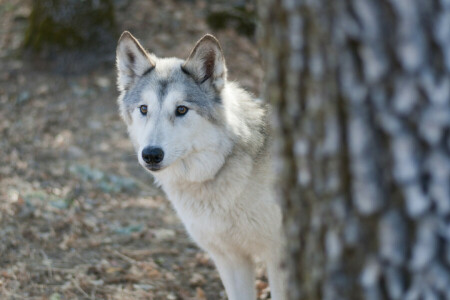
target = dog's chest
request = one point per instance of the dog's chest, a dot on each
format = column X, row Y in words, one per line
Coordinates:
column 233, row 212
column 203, row 217
column 207, row 227
column 214, row 222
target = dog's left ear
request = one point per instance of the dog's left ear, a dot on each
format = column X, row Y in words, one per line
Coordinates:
column 206, row 63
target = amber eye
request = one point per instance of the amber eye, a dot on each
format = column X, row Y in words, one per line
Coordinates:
column 143, row 109
column 181, row 110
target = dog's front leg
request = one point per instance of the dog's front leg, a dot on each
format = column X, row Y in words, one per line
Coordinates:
column 237, row 274
column 277, row 276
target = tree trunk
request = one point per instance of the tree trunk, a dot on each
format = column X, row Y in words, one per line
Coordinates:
column 72, row 34
column 361, row 91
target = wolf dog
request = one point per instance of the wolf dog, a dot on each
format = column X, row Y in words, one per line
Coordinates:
column 206, row 141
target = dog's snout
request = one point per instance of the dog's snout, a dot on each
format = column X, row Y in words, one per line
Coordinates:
column 152, row 155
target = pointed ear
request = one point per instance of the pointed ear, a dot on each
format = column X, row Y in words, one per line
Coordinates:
column 206, row 63
column 132, row 61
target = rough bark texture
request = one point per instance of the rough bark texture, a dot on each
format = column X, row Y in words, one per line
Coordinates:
column 75, row 34
column 361, row 98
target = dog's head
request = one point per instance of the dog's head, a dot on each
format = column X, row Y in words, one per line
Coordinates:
column 173, row 107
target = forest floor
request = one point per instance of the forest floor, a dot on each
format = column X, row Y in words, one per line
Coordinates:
column 79, row 219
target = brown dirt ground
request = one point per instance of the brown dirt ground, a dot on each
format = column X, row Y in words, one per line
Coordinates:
column 79, row 219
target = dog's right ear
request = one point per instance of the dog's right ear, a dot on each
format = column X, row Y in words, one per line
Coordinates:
column 132, row 61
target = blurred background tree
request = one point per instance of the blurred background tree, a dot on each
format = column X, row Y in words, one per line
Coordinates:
column 75, row 35
column 361, row 91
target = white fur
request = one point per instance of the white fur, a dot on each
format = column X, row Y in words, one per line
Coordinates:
column 222, row 192
column 232, row 214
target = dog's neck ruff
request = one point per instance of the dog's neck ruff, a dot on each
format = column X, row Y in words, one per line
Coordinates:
column 234, row 171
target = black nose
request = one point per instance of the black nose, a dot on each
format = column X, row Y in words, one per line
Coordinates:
column 152, row 155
